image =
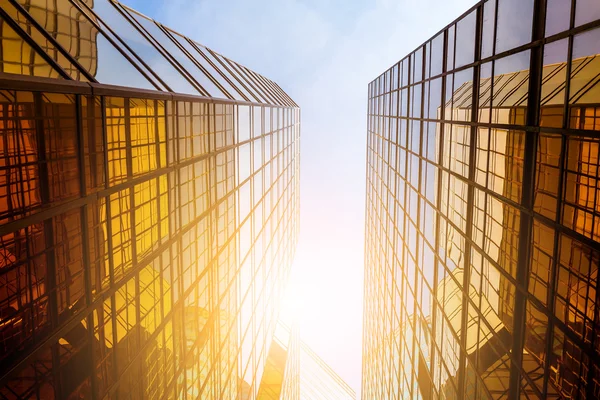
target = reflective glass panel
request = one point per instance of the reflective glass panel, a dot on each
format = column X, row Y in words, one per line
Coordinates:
column 142, row 47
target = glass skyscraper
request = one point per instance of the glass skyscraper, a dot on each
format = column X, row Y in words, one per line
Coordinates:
column 149, row 192
column 295, row 372
column 483, row 209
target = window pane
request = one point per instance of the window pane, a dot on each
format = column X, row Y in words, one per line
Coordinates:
column 586, row 11
column 558, row 16
column 212, row 71
column 19, row 58
column 465, row 40
column 514, row 24
column 584, row 84
column 182, row 58
column 142, row 47
column 487, row 40
column 554, row 76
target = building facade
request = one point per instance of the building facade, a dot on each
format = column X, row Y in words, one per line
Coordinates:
column 295, row 372
column 318, row 381
column 483, row 209
column 149, row 192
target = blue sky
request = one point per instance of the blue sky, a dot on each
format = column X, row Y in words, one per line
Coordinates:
column 323, row 53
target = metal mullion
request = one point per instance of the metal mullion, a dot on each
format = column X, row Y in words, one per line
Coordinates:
column 260, row 87
column 161, row 50
column 268, row 192
column 40, row 216
column 419, row 239
column 561, row 191
column 563, row 166
column 158, row 208
column 222, row 60
column 132, row 222
column 51, row 39
column 168, row 33
column 527, row 200
column 404, row 280
column 100, row 29
column 197, row 48
column 177, row 241
column 111, row 268
column 51, row 283
column 462, row 372
column 249, row 86
column 285, row 94
column 366, row 249
column 103, row 297
column 33, row 44
column 438, row 192
column 254, row 274
column 534, row 43
column 265, row 87
column 213, row 246
column 269, row 87
column 85, row 236
column 240, row 70
column 108, row 205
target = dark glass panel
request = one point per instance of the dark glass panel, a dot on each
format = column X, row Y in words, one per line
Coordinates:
column 505, row 168
column 582, row 189
column 547, row 174
column 534, row 351
column 93, row 143
column 20, row 188
column 60, row 139
column 541, row 261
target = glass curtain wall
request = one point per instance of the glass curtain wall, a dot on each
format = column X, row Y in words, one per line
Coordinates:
column 146, row 233
column 483, row 209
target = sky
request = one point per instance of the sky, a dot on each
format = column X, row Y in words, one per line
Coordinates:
column 323, row 53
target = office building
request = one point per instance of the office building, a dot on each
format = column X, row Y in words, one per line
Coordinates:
column 318, row 381
column 483, row 209
column 149, row 192
column 295, row 372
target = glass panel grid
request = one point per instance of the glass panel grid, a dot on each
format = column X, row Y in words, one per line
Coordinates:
column 470, row 205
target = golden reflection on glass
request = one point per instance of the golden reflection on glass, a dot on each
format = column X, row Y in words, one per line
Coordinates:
column 449, row 294
column 145, row 242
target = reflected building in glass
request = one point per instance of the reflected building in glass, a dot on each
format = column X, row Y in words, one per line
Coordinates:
column 318, row 381
column 483, row 209
column 294, row 371
column 149, row 193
